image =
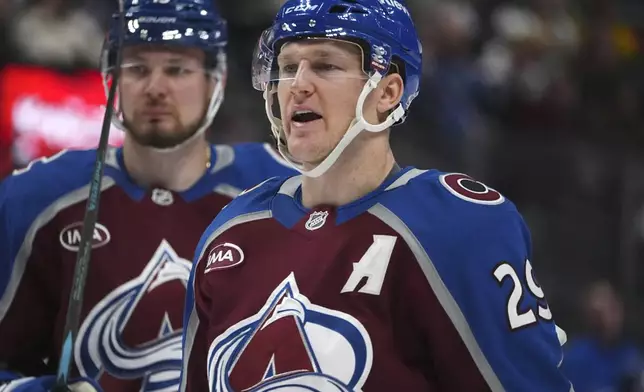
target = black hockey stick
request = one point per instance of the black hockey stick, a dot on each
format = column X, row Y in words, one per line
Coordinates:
column 89, row 223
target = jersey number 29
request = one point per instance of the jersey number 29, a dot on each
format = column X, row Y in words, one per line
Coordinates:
column 516, row 317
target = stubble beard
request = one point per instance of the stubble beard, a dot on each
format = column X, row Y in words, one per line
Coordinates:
column 156, row 137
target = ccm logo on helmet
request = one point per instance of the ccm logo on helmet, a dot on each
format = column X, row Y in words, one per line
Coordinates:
column 224, row 256
column 395, row 4
column 468, row 189
column 301, row 8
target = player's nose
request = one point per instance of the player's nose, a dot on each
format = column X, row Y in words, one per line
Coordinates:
column 302, row 84
column 156, row 83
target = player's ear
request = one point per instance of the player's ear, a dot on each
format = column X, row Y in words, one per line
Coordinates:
column 391, row 87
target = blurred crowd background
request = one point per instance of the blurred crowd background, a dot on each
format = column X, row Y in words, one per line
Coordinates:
column 541, row 99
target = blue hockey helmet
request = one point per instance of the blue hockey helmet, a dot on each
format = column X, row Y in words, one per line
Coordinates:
column 383, row 29
column 184, row 23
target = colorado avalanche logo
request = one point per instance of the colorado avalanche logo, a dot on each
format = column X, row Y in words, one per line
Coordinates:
column 291, row 345
column 101, row 348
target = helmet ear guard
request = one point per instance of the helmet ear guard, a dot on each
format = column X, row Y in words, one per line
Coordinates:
column 389, row 42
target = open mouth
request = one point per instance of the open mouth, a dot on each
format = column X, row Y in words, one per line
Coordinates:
column 305, row 116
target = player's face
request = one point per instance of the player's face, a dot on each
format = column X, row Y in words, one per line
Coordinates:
column 320, row 82
column 164, row 94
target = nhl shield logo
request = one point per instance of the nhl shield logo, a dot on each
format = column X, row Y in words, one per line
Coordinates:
column 316, row 220
column 162, row 197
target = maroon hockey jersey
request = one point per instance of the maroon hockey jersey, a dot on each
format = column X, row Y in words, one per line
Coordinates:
column 424, row 284
column 130, row 334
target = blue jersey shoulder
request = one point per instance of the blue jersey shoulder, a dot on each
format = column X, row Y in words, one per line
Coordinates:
column 258, row 161
column 474, row 249
column 453, row 208
column 44, row 180
column 255, row 200
column 28, row 196
column 451, row 194
column 250, row 164
column 28, row 192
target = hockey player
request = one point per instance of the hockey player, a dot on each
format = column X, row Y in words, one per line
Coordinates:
column 160, row 192
column 359, row 275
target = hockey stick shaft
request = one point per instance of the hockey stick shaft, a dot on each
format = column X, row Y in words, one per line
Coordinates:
column 89, row 223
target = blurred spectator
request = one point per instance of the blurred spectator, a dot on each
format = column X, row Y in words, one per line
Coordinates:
column 526, row 62
column 59, row 33
column 452, row 130
column 4, row 44
column 603, row 360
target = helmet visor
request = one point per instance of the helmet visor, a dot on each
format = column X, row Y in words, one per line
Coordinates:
column 330, row 60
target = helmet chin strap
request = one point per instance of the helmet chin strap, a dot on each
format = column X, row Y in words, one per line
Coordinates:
column 358, row 125
column 216, row 100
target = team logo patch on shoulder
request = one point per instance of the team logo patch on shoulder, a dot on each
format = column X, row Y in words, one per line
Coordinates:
column 224, row 256
column 468, row 189
column 70, row 236
column 316, row 220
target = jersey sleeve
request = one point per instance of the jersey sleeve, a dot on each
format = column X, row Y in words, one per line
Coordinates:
column 483, row 278
column 194, row 375
column 195, row 344
column 27, row 298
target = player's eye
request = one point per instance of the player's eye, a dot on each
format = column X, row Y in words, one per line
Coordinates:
column 288, row 70
column 135, row 70
column 325, row 67
column 177, row 70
